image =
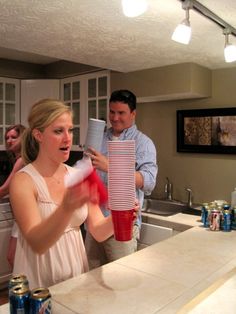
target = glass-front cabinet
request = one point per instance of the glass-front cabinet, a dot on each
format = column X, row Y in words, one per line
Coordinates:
column 88, row 96
column 97, row 98
column 9, row 105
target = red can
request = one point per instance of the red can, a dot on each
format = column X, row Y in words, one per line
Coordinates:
column 214, row 219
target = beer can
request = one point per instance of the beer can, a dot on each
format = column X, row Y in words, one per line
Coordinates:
column 40, row 301
column 226, row 220
column 233, row 218
column 19, row 299
column 226, row 206
column 17, row 279
column 215, row 218
column 204, row 213
column 206, row 222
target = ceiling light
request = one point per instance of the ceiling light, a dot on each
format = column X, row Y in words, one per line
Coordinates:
column 133, row 8
column 230, row 50
column 182, row 33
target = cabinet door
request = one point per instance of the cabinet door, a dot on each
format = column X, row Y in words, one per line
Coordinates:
column 9, row 105
column 5, row 233
column 71, row 95
column 88, row 97
column 98, row 97
column 34, row 90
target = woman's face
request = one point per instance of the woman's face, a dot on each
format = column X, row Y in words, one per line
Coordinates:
column 56, row 139
column 13, row 141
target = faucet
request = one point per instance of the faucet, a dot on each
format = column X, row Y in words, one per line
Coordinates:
column 168, row 189
column 190, row 197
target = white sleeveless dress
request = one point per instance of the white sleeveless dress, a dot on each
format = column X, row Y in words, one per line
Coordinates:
column 66, row 258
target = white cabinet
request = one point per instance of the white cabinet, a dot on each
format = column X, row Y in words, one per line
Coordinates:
column 9, row 105
column 34, row 90
column 88, row 96
column 6, row 223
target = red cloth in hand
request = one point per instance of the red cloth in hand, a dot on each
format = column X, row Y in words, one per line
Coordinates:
column 93, row 178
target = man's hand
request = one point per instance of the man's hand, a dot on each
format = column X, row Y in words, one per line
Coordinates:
column 99, row 161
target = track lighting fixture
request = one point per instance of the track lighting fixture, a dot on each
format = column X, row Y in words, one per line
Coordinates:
column 230, row 50
column 133, row 8
column 182, row 33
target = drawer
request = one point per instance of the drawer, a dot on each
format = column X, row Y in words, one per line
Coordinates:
column 5, row 233
column 5, row 211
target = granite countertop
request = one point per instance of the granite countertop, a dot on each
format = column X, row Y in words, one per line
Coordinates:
column 172, row 276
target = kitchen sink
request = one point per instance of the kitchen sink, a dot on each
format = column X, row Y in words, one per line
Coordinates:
column 150, row 234
column 168, row 207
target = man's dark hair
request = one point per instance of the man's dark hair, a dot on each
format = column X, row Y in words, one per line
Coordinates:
column 125, row 96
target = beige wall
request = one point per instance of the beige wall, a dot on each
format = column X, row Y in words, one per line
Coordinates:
column 210, row 176
column 169, row 82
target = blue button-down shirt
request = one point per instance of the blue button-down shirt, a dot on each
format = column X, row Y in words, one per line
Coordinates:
column 146, row 162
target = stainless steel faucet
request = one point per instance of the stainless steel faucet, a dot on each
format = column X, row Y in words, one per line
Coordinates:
column 168, row 189
column 190, row 197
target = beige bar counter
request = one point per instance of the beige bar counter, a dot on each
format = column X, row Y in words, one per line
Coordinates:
column 178, row 275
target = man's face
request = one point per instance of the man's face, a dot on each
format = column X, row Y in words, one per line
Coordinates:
column 120, row 117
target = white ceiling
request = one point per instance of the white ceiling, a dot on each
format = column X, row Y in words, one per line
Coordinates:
column 95, row 32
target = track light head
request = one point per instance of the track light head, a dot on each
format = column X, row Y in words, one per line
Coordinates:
column 230, row 50
column 182, row 33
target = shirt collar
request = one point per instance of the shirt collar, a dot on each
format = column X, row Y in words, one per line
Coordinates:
column 126, row 133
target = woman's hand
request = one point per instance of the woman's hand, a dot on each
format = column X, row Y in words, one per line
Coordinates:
column 79, row 194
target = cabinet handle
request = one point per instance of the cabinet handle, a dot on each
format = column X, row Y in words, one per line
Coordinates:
column 6, row 211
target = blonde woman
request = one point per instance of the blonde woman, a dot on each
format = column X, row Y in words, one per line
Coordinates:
column 50, row 247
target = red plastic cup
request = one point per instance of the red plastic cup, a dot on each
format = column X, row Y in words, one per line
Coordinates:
column 123, row 224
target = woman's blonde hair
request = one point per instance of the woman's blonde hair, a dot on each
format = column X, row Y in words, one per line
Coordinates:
column 41, row 115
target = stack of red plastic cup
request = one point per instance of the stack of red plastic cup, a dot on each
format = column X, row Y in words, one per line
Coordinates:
column 121, row 187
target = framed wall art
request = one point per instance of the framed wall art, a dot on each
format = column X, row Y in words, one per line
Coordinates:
column 207, row 131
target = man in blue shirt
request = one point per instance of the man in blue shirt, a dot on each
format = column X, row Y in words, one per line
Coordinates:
column 122, row 112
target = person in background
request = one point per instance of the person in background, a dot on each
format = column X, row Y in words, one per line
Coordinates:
column 122, row 112
column 50, row 248
column 13, row 136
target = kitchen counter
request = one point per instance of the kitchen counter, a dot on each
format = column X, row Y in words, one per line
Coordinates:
column 177, row 275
